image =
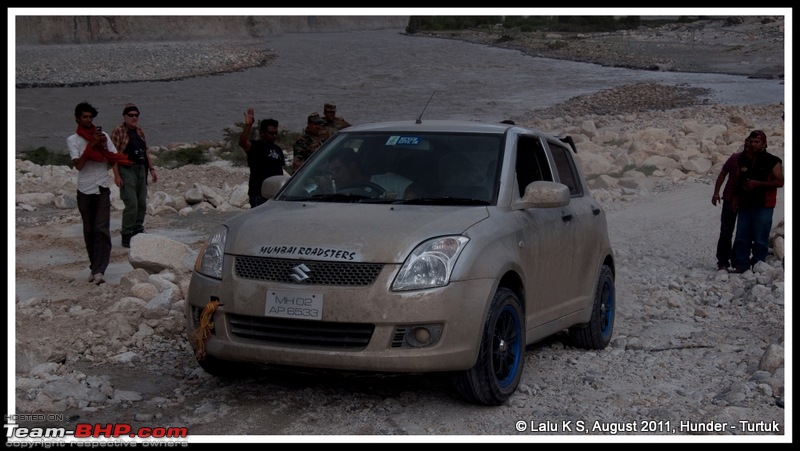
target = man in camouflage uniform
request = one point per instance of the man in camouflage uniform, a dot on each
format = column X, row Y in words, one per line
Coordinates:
column 332, row 123
column 309, row 142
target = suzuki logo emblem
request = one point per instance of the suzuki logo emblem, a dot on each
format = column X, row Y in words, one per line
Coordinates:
column 300, row 273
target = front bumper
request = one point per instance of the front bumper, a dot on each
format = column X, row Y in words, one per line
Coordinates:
column 369, row 327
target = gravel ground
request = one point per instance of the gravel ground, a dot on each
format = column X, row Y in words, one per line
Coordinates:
column 693, row 347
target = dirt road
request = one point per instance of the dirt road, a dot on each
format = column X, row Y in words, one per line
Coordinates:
column 686, row 337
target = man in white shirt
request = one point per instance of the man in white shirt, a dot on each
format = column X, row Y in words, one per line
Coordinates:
column 92, row 154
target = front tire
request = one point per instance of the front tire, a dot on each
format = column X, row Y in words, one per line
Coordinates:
column 501, row 358
column 596, row 334
column 225, row 369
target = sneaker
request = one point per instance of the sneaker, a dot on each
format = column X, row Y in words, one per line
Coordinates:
column 91, row 278
column 722, row 268
column 737, row 270
column 98, row 279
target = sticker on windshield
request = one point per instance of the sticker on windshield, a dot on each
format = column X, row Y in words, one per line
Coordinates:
column 403, row 141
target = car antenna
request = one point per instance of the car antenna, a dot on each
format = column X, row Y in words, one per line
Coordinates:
column 419, row 119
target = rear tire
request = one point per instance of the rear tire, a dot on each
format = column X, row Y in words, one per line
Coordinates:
column 501, row 358
column 596, row 334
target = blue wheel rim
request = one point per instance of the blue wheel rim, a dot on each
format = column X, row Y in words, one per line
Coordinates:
column 607, row 301
column 506, row 346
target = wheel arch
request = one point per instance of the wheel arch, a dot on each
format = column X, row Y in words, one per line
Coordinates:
column 513, row 281
column 609, row 261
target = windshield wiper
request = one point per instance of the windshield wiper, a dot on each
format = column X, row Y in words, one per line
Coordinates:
column 443, row 201
column 334, row 197
column 357, row 198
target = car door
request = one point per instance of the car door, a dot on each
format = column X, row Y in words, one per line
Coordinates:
column 584, row 239
column 546, row 235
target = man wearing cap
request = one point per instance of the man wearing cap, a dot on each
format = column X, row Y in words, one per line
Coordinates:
column 760, row 176
column 309, row 142
column 129, row 138
column 333, row 123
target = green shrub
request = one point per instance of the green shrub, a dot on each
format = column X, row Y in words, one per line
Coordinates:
column 286, row 139
column 176, row 158
column 236, row 156
column 231, row 135
column 46, row 157
column 616, row 142
column 622, row 171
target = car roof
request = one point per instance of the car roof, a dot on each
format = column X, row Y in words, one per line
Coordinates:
column 454, row 126
column 433, row 125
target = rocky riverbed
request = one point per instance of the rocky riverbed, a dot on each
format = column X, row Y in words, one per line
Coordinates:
column 692, row 346
column 737, row 45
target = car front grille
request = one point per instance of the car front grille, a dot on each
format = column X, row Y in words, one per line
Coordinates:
column 317, row 272
column 303, row 333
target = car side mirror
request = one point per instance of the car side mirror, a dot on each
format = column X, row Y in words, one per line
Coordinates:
column 543, row 194
column 271, row 185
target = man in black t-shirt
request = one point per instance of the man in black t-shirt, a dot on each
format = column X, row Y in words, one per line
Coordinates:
column 264, row 157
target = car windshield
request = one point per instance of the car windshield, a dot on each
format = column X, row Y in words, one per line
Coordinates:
column 398, row 167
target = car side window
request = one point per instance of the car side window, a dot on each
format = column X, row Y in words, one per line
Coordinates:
column 531, row 163
column 565, row 165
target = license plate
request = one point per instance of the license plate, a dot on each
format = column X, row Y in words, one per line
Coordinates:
column 293, row 304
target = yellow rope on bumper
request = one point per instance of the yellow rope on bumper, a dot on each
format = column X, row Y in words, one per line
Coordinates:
column 203, row 331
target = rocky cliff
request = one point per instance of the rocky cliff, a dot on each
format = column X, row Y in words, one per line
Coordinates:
column 100, row 29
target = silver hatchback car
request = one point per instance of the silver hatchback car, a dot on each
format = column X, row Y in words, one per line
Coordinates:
column 411, row 247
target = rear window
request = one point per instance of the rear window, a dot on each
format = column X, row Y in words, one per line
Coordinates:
column 565, row 166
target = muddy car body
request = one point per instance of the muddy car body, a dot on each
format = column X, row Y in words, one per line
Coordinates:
column 462, row 243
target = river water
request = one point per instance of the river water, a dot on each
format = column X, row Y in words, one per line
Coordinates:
column 370, row 75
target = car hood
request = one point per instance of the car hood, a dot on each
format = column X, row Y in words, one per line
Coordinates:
column 344, row 232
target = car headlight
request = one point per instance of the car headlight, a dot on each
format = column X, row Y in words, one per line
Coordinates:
column 431, row 264
column 209, row 260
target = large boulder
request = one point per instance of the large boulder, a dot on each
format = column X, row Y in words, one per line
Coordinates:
column 154, row 253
